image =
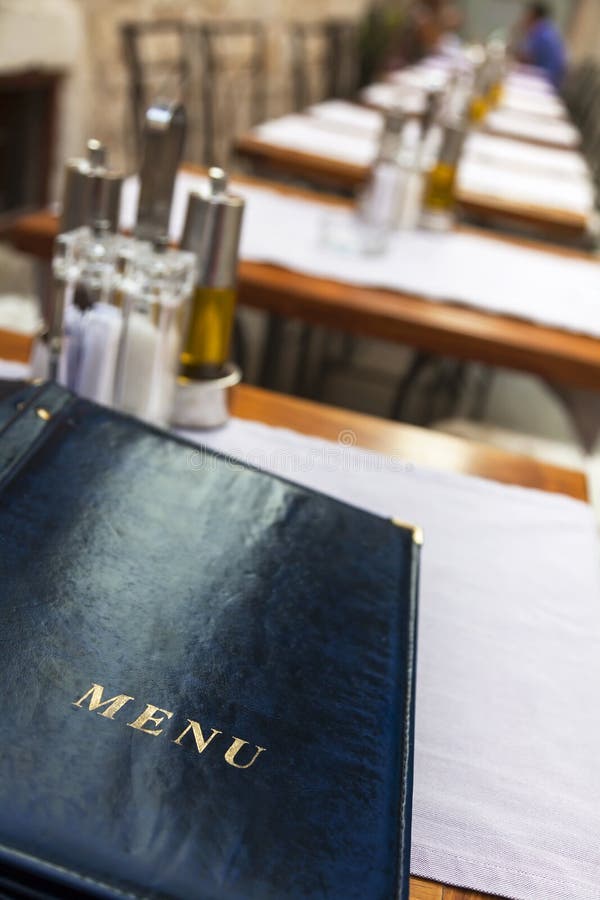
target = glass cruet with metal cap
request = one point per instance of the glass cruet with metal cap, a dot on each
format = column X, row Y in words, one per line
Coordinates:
column 83, row 331
column 212, row 231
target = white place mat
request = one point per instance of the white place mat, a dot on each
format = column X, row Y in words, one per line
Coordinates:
column 14, row 371
column 567, row 192
column 482, row 272
column 532, row 103
column 551, row 131
column 505, row 168
column 530, row 79
column 430, row 74
column 504, row 152
column 350, row 115
column 507, row 779
column 485, row 273
column 408, row 97
column 314, row 135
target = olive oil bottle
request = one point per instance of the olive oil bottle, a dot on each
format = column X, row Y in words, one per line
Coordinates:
column 479, row 108
column 479, row 105
column 439, row 198
column 212, row 232
column 496, row 51
column 208, row 336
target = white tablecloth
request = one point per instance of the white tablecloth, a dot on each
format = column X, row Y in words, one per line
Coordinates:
column 407, row 96
column 499, row 167
column 507, row 772
column 14, row 371
column 573, row 193
column 507, row 153
column 530, row 79
column 318, row 137
column 535, row 104
column 425, row 77
column 349, row 115
column 483, row 272
column 545, row 130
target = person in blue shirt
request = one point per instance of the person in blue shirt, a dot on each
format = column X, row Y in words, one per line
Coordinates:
column 543, row 45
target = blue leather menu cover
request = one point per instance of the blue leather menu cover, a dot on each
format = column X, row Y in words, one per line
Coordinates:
column 207, row 673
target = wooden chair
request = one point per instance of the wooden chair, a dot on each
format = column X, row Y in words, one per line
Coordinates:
column 324, row 60
column 578, row 88
column 233, row 83
column 217, row 69
column 157, row 56
column 581, row 93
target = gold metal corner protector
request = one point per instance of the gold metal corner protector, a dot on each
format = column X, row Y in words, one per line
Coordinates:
column 417, row 531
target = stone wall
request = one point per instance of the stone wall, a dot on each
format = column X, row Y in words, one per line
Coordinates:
column 51, row 35
column 82, row 39
column 108, row 113
column 585, row 34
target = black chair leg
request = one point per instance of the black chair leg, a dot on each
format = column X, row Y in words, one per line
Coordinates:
column 418, row 364
column 239, row 345
column 269, row 367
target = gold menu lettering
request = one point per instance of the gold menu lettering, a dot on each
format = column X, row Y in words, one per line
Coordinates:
column 233, row 751
column 153, row 716
column 201, row 742
column 96, row 702
column 149, row 715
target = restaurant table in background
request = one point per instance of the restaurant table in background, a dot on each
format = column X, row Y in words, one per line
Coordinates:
column 535, row 129
column 502, row 180
column 521, row 93
column 491, row 335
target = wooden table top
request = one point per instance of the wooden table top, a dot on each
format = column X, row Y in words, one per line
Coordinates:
column 443, row 328
column 553, row 223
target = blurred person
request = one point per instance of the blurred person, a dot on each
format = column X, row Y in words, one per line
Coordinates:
column 417, row 35
column 542, row 45
column 450, row 20
column 395, row 34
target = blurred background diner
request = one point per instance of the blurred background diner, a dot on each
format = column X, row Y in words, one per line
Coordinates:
column 494, row 230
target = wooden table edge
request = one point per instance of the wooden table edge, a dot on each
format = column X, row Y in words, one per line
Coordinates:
column 406, row 442
column 296, row 162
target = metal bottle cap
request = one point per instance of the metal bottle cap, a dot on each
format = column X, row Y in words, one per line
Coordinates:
column 212, row 231
column 433, row 100
column 453, row 140
column 96, row 153
column 395, row 120
column 164, row 136
column 91, row 192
